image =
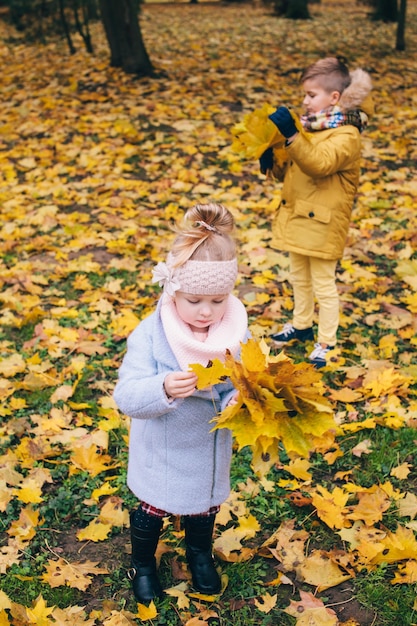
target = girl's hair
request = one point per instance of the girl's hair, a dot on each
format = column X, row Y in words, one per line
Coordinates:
column 332, row 74
column 204, row 235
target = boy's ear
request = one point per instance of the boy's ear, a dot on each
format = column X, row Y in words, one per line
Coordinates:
column 335, row 97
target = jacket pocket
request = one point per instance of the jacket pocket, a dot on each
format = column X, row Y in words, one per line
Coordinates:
column 312, row 211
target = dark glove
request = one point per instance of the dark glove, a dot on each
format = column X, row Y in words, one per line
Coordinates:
column 266, row 161
column 283, row 121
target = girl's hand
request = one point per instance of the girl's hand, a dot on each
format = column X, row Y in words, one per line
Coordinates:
column 180, row 384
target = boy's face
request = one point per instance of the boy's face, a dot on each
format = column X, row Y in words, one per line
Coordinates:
column 316, row 97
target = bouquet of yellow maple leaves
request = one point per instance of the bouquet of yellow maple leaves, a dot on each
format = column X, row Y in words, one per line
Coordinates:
column 278, row 402
column 256, row 133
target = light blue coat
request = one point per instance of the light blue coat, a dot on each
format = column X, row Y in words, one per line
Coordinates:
column 175, row 462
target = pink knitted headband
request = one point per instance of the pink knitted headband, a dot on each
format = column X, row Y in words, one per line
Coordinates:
column 200, row 278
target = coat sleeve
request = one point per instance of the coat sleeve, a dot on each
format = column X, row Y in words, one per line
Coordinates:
column 139, row 392
column 335, row 153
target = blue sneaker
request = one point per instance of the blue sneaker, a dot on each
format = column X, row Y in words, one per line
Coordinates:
column 288, row 333
column 318, row 356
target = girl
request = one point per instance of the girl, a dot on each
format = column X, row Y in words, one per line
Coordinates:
column 177, row 465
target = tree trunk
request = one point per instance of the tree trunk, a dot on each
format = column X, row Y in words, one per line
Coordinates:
column 83, row 29
column 121, row 25
column 400, row 43
column 292, row 9
column 298, row 10
column 66, row 27
column 386, row 11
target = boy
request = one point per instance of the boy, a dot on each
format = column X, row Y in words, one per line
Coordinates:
column 320, row 183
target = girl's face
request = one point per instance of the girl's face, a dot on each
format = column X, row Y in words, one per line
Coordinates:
column 200, row 312
column 316, row 97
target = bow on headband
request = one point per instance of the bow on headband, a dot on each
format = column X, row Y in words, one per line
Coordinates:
column 164, row 275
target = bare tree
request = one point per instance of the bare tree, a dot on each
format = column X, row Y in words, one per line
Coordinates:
column 121, row 24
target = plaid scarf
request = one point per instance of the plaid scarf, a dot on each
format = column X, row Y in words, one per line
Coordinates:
column 334, row 117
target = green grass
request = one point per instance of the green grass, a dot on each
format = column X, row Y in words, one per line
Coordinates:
column 393, row 604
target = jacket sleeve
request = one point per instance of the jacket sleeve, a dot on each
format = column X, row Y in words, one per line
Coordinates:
column 335, row 153
column 139, row 392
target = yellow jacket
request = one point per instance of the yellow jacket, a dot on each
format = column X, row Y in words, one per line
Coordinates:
column 320, row 183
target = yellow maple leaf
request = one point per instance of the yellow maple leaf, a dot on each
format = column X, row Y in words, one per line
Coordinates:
column 62, row 393
column 299, row 468
column 397, row 546
column 12, row 365
column 380, row 382
column 330, row 506
column 105, row 490
column 265, row 455
column 229, row 541
column 39, row 613
column 371, row 507
column 95, row 531
column 364, row 539
column 266, row 603
column 5, row 602
column 407, row 506
column 233, row 505
column 406, row 573
column 123, row 323
column 321, row 570
column 90, row 459
column 179, row 592
column 278, row 401
column 401, row 471
column 77, row 574
column 248, row 526
column 147, row 612
column 10, row 555
column 112, row 512
column 310, row 611
column 30, row 492
column 215, row 372
column 290, row 545
column 204, row 617
column 24, row 528
column 407, row 271
column 354, row 427
column 346, row 395
column 256, row 132
column 72, row 616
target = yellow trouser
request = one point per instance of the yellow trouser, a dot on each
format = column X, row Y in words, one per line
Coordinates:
column 311, row 277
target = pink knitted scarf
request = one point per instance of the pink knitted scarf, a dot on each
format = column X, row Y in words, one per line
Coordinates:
column 226, row 334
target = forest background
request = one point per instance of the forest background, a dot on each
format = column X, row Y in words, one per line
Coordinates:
column 95, row 166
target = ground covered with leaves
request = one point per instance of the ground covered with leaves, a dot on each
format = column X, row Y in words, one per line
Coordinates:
column 94, row 167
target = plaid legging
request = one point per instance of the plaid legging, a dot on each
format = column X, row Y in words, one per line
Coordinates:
column 152, row 510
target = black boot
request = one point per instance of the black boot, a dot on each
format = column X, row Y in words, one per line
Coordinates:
column 144, row 533
column 198, row 541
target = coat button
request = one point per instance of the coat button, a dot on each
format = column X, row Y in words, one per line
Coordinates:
column 311, row 214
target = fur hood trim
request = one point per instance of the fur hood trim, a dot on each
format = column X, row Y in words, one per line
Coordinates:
column 358, row 90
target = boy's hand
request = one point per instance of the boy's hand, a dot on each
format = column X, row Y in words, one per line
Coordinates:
column 180, row 384
column 283, row 121
column 266, row 161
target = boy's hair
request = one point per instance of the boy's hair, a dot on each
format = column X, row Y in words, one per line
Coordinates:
column 331, row 72
column 204, row 235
